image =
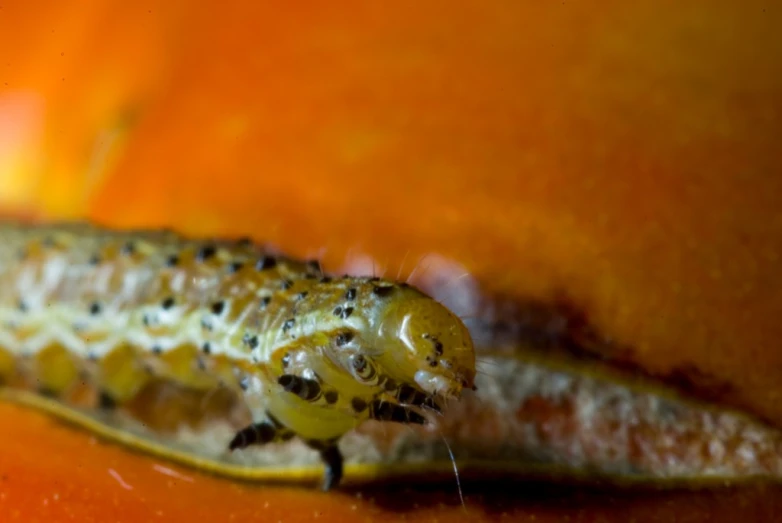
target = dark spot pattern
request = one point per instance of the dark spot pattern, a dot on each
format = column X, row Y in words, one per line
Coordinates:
column 205, row 253
column 128, row 249
column 343, row 338
column 350, row 295
column 331, row 397
column 206, row 348
column 95, row 308
column 250, row 340
column 168, row 303
column 288, row 325
column 383, row 291
column 358, row 405
column 266, row 262
column 218, row 307
column 235, row 267
column 172, row 261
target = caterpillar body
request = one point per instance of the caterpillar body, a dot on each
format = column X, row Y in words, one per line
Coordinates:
column 311, row 356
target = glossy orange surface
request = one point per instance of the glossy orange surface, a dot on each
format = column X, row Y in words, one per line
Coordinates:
column 623, row 153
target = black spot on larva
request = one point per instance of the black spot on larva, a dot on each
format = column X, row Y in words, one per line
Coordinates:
column 438, row 348
column 47, row 392
column 325, row 279
column 168, row 302
column 146, row 320
column 206, row 348
column 218, row 307
column 94, row 308
column 286, row 360
column 244, row 383
column 205, row 252
column 235, row 267
column 286, row 284
column 288, row 325
column 266, row 262
column 94, row 259
column 337, row 311
column 432, row 362
column 22, row 306
column 384, row 291
column 250, row 340
column 92, row 356
column 346, row 312
column 300, row 296
column 265, row 301
column 128, row 248
column 350, row 295
column 106, row 402
column 157, row 349
column 172, row 261
column 331, row 397
column 343, row 338
column 358, row 404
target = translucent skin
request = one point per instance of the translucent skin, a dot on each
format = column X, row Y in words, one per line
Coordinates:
column 312, row 356
column 422, row 338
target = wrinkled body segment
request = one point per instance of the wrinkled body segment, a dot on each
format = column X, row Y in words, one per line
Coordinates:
column 312, row 356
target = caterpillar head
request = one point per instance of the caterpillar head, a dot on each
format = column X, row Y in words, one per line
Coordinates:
column 424, row 344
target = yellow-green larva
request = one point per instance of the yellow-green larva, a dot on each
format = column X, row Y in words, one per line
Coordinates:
column 311, row 356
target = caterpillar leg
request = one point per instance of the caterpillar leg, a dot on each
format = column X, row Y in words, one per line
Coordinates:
column 255, row 434
column 385, row 411
column 332, row 461
column 272, row 430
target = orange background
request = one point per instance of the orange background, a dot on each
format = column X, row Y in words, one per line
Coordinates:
column 626, row 153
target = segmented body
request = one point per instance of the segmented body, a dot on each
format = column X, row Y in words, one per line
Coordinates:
column 311, row 355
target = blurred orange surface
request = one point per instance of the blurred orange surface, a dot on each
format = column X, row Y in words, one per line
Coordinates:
column 624, row 153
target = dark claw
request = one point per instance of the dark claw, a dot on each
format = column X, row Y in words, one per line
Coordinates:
column 332, row 461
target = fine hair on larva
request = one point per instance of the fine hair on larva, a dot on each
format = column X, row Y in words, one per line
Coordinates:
column 311, row 355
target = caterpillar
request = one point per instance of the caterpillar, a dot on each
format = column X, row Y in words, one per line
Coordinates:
column 311, row 355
